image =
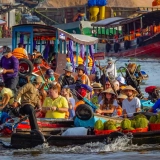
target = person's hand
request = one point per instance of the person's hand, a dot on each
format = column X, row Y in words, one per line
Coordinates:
column 15, row 104
column 4, row 71
column 53, row 108
column 99, row 111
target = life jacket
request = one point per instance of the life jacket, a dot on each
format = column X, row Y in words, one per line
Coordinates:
column 83, row 78
column 19, row 53
column 80, row 60
column 90, row 62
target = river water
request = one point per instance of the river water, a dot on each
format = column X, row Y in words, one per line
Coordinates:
column 120, row 149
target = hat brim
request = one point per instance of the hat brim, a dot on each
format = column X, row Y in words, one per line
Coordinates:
column 80, row 69
column 68, row 70
column 101, row 88
column 109, row 92
column 124, row 91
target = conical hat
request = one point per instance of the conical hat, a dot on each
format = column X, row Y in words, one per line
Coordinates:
column 129, row 88
column 97, row 86
column 109, row 90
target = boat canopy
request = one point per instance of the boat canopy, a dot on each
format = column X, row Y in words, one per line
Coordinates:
column 78, row 38
column 107, row 21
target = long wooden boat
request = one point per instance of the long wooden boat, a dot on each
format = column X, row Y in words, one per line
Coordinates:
column 46, row 125
column 132, row 37
column 19, row 141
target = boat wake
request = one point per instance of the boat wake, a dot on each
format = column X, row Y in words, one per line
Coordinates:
column 120, row 144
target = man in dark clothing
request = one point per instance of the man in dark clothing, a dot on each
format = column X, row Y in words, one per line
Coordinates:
column 10, row 65
column 30, row 99
column 66, row 78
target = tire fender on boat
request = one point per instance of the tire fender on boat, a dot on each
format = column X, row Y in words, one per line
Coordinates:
column 27, row 63
column 116, row 47
column 139, row 41
column 126, row 44
column 108, row 47
column 84, row 112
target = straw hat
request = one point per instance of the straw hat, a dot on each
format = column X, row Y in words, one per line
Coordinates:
column 122, row 96
column 129, row 88
column 97, row 86
column 110, row 60
column 109, row 90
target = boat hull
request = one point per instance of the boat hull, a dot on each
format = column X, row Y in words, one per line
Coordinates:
column 19, row 141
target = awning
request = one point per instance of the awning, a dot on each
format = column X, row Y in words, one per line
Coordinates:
column 78, row 38
column 2, row 22
column 107, row 21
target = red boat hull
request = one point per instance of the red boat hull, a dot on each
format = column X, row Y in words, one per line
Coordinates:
column 147, row 51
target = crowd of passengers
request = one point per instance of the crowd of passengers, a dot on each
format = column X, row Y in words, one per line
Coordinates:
column 59, row 99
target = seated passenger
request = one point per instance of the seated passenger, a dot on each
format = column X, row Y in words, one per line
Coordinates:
column 156, row 107
column 55, row 106
column 108, row 104
column 132, row 104
column 66, row 92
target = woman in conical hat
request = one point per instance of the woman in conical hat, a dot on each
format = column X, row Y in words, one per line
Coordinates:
column 108, row 104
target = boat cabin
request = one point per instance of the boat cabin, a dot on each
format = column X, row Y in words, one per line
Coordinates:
column 54, row 42
column 128, row 32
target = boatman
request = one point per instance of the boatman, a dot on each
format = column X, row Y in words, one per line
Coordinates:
column 10, row 65
column 30, row 99
column 111, row 70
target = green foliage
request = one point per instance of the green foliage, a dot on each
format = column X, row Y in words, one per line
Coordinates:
column 141, row 123
column 99, row 125
column 126, row 123
column 153, row 119
column 18, row 17
column 94, row 99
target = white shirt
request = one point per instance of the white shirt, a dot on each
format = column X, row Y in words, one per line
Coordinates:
column 111, row 70
column 131, row 106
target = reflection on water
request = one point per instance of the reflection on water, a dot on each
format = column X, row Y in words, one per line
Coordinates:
column 121, row 149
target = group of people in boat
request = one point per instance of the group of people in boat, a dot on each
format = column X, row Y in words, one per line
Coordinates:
column 59, row 99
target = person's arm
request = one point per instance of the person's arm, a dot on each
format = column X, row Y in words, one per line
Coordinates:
column 23, row 90
column 109, row 110
column 5, row 100
column 138, row 105
column 155, row 107
column 110, row 69
column 124, row 109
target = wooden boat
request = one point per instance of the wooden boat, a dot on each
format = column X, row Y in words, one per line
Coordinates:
column 51, row 40
column 137, row 36
column 46, row 126
column 19, row 141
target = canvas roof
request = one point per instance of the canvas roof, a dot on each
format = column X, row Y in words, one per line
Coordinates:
column 79, row 38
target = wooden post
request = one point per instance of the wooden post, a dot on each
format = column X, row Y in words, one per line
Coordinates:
column 60, row 44
column 40, row 45
column 134, row 26
column 64, row 47
column 141, row 23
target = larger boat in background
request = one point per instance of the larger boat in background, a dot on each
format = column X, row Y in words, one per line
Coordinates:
column 129, row 37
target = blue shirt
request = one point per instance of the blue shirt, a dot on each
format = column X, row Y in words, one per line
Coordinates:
column 156, row 106
column 10, row 63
